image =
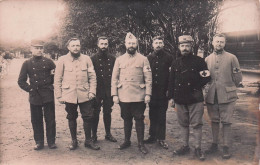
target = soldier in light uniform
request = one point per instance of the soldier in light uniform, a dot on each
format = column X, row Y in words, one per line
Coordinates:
column 160, row 62
column 40, row 71
column 221, row 93
column 189, row 74
column 75, row 85
column 132, row 88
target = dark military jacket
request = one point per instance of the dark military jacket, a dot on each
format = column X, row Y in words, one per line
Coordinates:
column 188, row 75
column 160, row 63
column 40, row 71
column 103, row 65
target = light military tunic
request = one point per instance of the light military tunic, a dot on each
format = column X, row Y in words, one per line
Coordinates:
column 225, row 77
column 74, row 79
column 131, row 78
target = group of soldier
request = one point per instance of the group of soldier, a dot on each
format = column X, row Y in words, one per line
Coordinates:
column 133, row 80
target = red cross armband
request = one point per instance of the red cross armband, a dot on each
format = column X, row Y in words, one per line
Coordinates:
column 236, row 70
column 204, row 73
column 52, row 71
column 147, row 68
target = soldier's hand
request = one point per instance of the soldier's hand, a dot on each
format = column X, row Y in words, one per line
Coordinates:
column 147, row 99
column 115, row 99
column 172, row 104
column 91, row 96
column 61, row 101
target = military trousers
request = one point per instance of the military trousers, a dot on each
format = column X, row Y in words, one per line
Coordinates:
column 157, row 115
column 191, row 115
column 107, row 103
column 47, row 110
column 128, row 112
column 86, row 110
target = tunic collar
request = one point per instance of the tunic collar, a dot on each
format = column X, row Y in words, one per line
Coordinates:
column 223, row 52
column 73, row 58
column 130, row 55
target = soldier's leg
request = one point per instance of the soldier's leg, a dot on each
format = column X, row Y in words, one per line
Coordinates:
column 128, row 123
column 213, row 112
column 226, row 113
column 37, row 124
column 196, row 113
column 183, row 120
column 107, row 109
column 49, row 116
column 97, row 106
column 72, row 115
column 153, row 109
column 161, row 124
column 87, row 111
column 138, row 113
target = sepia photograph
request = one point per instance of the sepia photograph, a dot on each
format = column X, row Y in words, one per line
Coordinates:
column 135, row 82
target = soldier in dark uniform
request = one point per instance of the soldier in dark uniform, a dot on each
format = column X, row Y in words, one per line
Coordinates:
column 160, row 62
column 40, row 71
column 189, row 74
column 103, row 63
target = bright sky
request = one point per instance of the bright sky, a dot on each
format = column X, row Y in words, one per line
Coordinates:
column 242, row 16
column 27, row 19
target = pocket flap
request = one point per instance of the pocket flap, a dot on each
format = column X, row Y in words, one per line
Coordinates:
column 230, row 89
column 138, row 65
column 84, row 67
column 142, row 85
column 86, row 86
column 119, row 85
column 65, row 86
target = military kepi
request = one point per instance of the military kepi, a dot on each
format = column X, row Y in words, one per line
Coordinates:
column 185, row 39
column 37, row 43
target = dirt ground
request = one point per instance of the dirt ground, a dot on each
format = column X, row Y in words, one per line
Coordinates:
column 16, row 136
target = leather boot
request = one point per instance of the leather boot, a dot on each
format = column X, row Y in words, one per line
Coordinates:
column 95, row 125
column 39, row 146
column 139, row 126
column 107, row 124
column 73, row 133
column 88, row 142
column 226, row 134
column 127, row 129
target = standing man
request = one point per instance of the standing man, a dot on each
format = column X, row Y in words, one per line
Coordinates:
column 189, row 74
column 160, row 62
column 75, row 85
column 103, row 64
column 40, row 71
column 221, row 95
column 132, row 89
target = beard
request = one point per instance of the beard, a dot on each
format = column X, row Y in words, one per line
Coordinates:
column 103, row 50
column 75, row 55
column 131, row 50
